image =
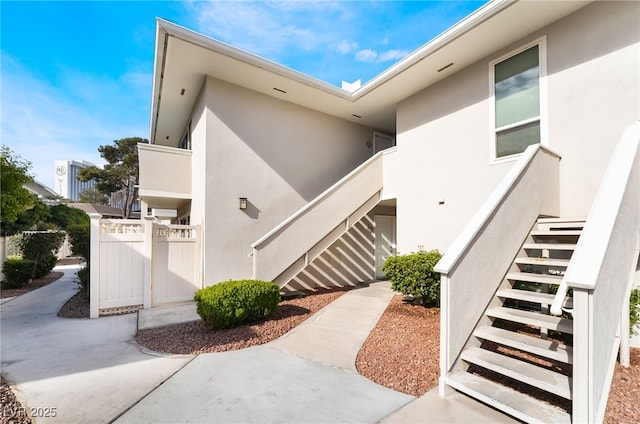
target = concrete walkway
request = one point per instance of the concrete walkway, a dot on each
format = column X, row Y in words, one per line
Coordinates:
column 90, row 371
column 93, row 371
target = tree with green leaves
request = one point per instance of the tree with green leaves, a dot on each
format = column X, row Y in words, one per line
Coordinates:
column 64, row 216
column 94, row 196
column 14, row 198
column 120, row 174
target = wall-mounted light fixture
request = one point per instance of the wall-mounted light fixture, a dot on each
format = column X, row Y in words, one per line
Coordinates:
column 243, row 203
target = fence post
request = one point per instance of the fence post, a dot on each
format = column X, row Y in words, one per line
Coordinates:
column 94, row 264
column 148, row 260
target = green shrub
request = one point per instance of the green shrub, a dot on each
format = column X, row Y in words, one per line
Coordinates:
column 80, row 239
column 17, row 272
column 234, row 302
column 44, row 266
column 413, row 274
column 83, row 279
column 42, row 248
column 634, row 310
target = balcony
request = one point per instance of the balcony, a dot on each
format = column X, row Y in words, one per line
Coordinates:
column 165, row 176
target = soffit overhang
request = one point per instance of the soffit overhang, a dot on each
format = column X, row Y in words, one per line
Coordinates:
column 184, row 58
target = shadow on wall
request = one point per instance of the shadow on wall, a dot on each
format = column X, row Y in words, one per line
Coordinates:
column 307, row 149
column 252, row 210
column 347, row 262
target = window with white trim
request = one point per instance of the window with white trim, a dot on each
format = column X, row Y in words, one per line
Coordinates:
column 517, row 84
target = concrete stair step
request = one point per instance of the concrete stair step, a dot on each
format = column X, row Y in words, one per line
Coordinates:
column 530, row 277
column 532, row 318
column 545, row 348
column 512, row 402
column 556, row 233
column 532, row 296
column 560, row 223
column 549, row 246
column 533, row 375
column 542, row 261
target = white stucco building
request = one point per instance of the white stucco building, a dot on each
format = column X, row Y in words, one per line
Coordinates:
column 490, row 143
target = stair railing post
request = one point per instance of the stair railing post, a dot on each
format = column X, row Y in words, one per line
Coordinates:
column 443, row 388
column 582, row 390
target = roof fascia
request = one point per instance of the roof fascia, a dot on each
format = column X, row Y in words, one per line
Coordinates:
column 249, row 58
column 158, row 75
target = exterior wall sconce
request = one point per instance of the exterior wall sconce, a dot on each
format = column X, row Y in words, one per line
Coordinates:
column 243, row 203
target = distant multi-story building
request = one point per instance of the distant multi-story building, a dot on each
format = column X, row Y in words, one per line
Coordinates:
column 66, row 180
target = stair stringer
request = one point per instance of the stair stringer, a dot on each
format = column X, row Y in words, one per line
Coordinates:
column 520, row 404
column 459, row 365
column 284, row 278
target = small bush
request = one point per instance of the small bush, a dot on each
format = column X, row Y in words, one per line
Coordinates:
column 42, row 248
column 234, row 302
column 17, row 272
column 45, row 265
column 80, row 239
column 634, row 310
column 83, row 279
column 413, row 274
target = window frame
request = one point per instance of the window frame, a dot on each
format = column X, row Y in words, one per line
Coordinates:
column 542, row 118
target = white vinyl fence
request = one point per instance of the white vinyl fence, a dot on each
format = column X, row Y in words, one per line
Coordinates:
column 141, row 263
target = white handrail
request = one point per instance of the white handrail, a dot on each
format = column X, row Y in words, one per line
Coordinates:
column 587, row 260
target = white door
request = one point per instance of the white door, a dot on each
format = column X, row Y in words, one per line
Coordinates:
column 385, row 240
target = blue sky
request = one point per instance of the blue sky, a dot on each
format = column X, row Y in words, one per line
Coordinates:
column 76, row 75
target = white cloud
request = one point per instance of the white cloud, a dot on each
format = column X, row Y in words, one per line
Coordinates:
column 372, row 56
column 345, row 46
column 267, row 28
column 43, row 122
column 366, row 55
column 392, row 55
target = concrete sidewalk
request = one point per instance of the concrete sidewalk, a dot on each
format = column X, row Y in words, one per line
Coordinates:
column 306, row 376
column 90, row 371
column 93, row 371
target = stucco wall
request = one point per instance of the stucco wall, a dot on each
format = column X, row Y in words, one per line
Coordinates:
column 443, row 135
column 277, row 155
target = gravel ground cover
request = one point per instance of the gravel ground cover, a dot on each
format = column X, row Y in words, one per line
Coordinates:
column 76, row 307
column 195, row 337
column 402, row 353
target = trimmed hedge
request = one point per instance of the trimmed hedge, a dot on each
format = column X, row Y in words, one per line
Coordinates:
column 17, row 272
column 413, row 274
column 80, row 239
column 234, row 302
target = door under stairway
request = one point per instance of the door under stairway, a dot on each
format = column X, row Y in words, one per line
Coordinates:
column 519, row 359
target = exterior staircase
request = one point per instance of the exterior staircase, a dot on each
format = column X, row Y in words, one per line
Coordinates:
column 519, row 359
